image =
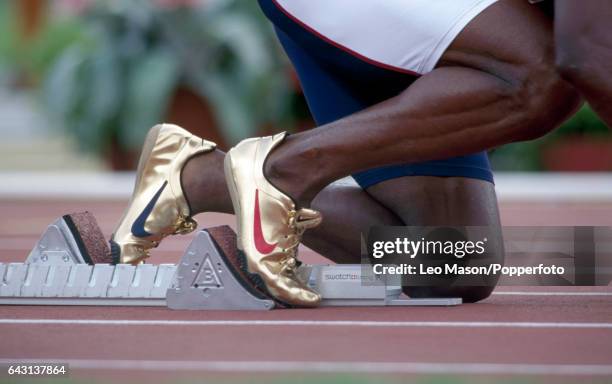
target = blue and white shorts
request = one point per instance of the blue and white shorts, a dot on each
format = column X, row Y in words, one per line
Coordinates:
column 352, row 54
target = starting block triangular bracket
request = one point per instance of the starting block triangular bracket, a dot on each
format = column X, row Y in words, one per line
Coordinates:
column 204, row 281
column 56, row 246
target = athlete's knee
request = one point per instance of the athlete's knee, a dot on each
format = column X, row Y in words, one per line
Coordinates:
column 463, row 284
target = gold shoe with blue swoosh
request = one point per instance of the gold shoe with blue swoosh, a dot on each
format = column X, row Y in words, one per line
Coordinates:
column 158, row 206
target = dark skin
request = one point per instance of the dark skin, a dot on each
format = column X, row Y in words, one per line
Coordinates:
column 583, row 38
column 495, row 84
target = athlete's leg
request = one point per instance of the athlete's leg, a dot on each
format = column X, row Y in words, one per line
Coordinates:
column 398, row 192
column 349, row 211
column 496, row 84
column 347, row 208
column 583, row 38
column 463, row 201
column 412, row 201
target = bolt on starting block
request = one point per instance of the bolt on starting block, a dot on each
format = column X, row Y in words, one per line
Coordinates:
column 64, row 268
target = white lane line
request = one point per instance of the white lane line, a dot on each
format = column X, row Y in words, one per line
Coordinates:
column 327, row 367
column 526, row 293
column 315, row 323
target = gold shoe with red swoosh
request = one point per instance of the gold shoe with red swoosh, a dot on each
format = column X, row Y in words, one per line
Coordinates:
column 270, row 227
column 158, row 207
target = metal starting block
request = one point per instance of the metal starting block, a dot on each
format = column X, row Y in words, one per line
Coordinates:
column 57, row 273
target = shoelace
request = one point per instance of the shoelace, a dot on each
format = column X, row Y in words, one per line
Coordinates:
column 184, row 226
column 299, row 222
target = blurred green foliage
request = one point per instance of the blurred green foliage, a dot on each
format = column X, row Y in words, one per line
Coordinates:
column 119, row 63
column 584, row 122
column 35, row 56
column 117, row 79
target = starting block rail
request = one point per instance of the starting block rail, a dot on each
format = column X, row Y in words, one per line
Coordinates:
column 56, row 273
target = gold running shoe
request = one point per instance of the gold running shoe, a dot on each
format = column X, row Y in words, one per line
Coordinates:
column 158, row 207
column 270, row 227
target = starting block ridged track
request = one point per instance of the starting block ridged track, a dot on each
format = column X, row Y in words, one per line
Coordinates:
column 56, row 273
column 75, row 284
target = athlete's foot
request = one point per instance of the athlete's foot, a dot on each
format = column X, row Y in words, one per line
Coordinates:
column 270, row 226
column 158, row 206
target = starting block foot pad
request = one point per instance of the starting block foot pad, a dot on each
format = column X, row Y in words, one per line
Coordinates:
column 73, row 238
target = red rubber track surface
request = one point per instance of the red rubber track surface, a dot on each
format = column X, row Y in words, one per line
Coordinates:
column 558, row 329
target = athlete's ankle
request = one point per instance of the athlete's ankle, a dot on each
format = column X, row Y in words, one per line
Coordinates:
column 293, row 171
column 204, row 183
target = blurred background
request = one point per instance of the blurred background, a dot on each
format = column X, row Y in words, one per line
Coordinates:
column 81, row 81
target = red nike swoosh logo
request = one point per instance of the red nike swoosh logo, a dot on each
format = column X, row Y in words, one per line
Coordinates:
column 261, row 244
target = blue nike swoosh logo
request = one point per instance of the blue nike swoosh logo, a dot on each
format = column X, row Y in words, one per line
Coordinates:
column 138, row 229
